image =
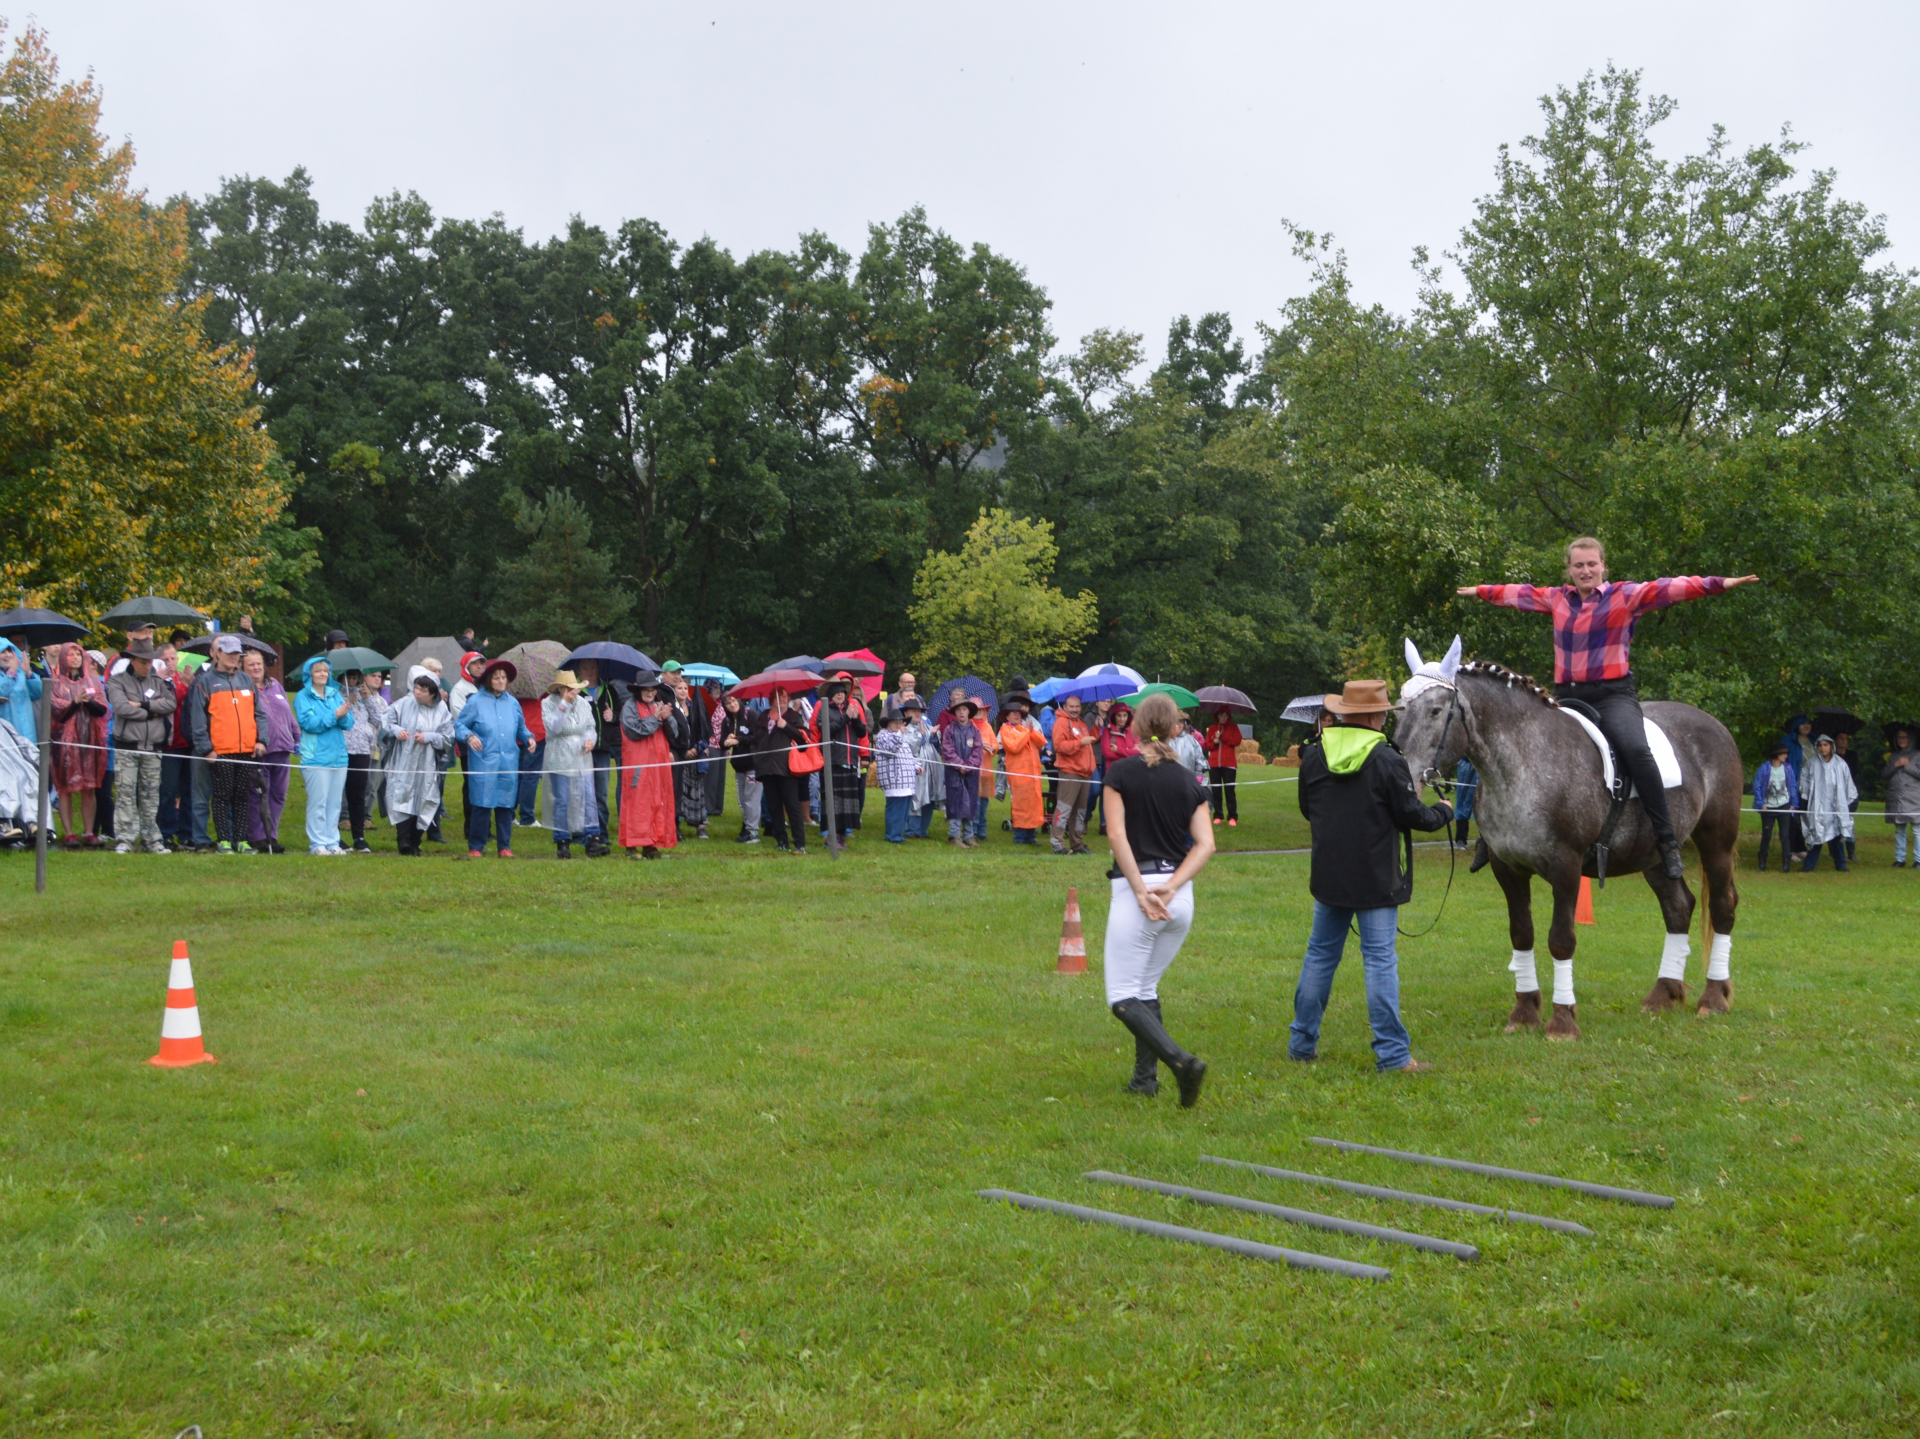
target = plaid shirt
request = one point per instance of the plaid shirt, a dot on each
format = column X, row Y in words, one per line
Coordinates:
column 1591, row 639
column 893, row 756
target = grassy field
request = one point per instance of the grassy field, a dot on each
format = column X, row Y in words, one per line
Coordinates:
column 692, row 1148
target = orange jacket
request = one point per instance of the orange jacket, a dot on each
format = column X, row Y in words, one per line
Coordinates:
column 1072, row 746
column 1022, row 748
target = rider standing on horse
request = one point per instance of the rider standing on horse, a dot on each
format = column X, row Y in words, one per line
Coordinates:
column 1592, row 636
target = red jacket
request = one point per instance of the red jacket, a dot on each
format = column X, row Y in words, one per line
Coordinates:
column 1073, row 742
column 1223, row 745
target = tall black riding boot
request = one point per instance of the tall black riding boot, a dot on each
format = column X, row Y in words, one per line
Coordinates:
column 1146, row 1064
column 404, row 832
column 1188, row 1069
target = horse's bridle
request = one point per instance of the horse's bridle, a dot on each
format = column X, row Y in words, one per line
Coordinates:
column 1432, row 774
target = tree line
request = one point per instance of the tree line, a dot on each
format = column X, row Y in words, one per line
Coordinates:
column 1705, row 359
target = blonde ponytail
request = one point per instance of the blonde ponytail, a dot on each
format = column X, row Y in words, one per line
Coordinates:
column 1153, row 721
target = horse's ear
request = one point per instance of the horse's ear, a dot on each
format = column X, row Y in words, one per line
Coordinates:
column 1413, row 658
column 1450, row 666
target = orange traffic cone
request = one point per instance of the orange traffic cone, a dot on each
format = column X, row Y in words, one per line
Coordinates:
column 1073, row 944
column 1583, row 907
column 180, row 1022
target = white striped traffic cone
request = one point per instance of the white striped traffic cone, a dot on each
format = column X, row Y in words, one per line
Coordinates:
column 1073, row 944
column 180, row 1023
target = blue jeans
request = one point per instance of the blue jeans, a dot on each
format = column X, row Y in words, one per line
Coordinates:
column 200, row 798
column 1836, row 847
column 1901, row 828
column 173, row 781
column 560, row 793
column 481, row 821
column 325, row 784
column 899, row 817
column 531, row 761
column 1325, row 946
column 980, row 818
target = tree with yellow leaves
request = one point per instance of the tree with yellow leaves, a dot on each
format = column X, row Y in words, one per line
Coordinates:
column 131, row 457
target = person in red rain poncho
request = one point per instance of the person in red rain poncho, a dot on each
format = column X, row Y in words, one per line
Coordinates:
column 646, row 774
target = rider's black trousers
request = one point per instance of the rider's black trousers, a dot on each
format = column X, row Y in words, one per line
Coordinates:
column 1617, row 703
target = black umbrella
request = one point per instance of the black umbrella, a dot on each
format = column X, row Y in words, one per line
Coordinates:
column 1831, row 719
column 203, row 644
column 800, row 662
column 151, row 610
column 1223, row 697
column 40, row 628
column 1890, row 730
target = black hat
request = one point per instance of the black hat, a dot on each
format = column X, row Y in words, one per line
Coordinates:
column 1018, row 696
column 336, row 637
column 910, row 702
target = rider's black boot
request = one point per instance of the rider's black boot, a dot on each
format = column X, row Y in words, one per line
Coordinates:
column 1188, row 1069
column 1670, row 859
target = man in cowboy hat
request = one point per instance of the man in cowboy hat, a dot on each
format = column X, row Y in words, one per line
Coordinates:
column 1359, row 797
column 143, row 704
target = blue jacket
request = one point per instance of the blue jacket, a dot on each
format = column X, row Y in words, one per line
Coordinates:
column 323, row 734
column 493, row 775
column 18, row 691
column 1760, row 778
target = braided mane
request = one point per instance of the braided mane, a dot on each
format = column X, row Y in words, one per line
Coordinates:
column 1500, row 674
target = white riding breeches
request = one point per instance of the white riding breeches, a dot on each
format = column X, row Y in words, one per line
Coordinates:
column 1138, row 949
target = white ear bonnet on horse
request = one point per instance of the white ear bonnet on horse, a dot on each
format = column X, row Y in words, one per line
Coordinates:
column 1428, row 673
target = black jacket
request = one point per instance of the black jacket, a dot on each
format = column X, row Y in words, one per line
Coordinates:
column 746, row 727
column 1362, row 823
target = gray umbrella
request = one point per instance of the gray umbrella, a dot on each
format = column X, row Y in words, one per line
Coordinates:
column 444, row 648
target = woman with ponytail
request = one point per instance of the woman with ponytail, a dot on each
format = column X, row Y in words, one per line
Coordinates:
column 1158, row 826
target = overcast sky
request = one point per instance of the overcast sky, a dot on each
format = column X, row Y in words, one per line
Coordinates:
column 1137, row 159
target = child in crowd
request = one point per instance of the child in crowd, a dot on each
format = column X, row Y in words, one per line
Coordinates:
column 899, row 772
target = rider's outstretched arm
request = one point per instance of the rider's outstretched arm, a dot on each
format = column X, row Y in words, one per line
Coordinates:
column 1532, row 598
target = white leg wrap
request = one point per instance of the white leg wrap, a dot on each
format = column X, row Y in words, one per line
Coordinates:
column 1563, row 981
column 1718, row 957
column 1673, row 959
column 1525, row 981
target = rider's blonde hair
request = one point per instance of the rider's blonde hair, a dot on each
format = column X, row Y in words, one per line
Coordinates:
column 1586, row 542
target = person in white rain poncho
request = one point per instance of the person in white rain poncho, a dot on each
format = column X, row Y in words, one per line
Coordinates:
column 419, row 725
column 1826, row 793
column 571, row 731
column 930, row 785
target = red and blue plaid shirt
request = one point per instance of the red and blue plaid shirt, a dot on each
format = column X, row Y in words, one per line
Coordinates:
column 1591, row 638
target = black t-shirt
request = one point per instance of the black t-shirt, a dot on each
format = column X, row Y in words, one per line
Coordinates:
column 1160, row 801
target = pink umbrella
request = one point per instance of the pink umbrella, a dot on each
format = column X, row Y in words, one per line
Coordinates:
column 870, row 686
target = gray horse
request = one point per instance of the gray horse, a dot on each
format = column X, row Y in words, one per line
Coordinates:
column 1542, row 804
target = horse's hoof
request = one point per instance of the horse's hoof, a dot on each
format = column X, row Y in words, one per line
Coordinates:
column 1664, row 995
column 1526, row 1012
column 1563, row 1025
column 1716, row 998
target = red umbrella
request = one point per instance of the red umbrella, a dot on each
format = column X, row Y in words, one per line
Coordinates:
column 767, row 681
column 868, row 673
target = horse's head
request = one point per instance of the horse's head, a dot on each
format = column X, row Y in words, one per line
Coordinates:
column 1432, row 731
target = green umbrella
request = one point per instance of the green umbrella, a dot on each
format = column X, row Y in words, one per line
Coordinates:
column 356, row 657
column 1185, row 698
column 151, row 610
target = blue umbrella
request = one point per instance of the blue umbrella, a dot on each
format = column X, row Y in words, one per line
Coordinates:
column 711, row 672
column 1103, row 682
column 1044, row 692
column 978, row 690
column 801, row 662
column 616, row 661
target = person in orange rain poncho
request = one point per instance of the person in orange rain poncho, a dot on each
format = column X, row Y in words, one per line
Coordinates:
column 1021, row 741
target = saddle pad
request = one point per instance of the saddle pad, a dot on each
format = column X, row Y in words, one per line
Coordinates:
column 1657, row 741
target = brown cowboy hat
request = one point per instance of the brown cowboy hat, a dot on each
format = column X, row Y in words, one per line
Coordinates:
column 1360, row 697
column 507, row 665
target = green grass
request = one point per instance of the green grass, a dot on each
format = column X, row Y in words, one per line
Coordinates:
column 692, row 1147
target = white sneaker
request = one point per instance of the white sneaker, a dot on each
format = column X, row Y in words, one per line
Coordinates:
column 158, row 849
column 123, row 848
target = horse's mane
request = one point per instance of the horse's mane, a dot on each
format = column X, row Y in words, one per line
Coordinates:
column 1500, row 674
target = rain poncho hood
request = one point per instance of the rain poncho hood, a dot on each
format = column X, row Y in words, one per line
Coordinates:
column 1347, row 747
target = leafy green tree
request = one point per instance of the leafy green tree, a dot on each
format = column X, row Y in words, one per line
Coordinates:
column 990, row 609
column 562, row 587
column 1699, row 360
